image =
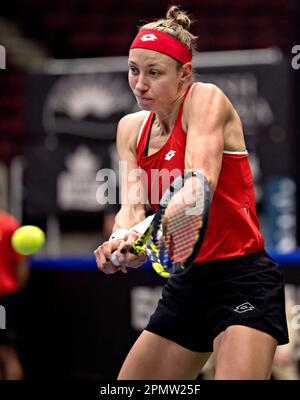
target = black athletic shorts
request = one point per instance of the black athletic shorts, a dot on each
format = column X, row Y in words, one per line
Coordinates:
column 198, row 305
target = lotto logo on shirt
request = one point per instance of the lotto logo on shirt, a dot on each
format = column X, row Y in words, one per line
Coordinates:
column 170, row 155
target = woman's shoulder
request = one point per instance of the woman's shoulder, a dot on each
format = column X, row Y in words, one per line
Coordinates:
column 206, row 96
column 206, row 104
column 133, row 120
column 207, row 90
column 129, row 127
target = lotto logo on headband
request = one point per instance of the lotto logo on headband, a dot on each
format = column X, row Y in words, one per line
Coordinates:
column 150, row 37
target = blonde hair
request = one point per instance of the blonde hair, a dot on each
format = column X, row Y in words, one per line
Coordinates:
column 177, row 24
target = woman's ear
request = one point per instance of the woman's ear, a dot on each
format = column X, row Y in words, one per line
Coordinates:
column 186, row 72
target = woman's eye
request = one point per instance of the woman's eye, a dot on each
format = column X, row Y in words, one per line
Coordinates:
column 133, row 70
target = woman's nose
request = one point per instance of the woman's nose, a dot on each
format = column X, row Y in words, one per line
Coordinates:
column 141, row 83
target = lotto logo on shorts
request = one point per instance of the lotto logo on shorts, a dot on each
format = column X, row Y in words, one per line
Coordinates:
column 244, row 307
column 149, row 37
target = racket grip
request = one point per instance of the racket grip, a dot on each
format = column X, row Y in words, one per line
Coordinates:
column 114, row 258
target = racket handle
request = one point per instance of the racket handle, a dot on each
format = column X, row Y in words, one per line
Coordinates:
column 114, row 258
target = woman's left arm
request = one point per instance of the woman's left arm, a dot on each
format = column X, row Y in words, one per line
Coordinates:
column 206, row 115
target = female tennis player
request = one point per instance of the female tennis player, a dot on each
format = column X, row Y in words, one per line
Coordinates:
column 231, row 302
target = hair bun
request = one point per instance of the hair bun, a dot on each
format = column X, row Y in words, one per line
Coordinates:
column 179, row 17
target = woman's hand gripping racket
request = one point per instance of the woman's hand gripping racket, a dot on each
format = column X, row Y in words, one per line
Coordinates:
column 174, row 237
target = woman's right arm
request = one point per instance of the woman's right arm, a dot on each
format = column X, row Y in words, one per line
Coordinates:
column 132, row 208
column 132, row 201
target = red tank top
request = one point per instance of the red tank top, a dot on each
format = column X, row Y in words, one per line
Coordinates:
column 233, row 228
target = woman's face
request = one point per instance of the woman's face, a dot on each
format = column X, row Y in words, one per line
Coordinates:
column 154, row 79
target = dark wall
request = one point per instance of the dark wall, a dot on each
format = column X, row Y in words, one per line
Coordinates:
column 78, row 324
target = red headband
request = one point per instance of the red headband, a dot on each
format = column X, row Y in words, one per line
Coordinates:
column 163, row 43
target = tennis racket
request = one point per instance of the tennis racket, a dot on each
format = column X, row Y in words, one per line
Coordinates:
column 176, row 232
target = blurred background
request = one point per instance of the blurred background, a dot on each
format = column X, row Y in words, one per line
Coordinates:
column 63, row 83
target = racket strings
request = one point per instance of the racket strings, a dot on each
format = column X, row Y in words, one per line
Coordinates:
column 182, row 234
column 181, row 226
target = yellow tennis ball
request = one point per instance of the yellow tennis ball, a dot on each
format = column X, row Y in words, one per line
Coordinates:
column 28, row 239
